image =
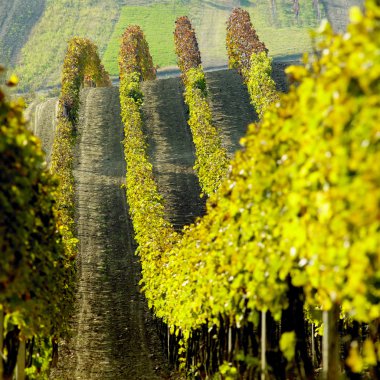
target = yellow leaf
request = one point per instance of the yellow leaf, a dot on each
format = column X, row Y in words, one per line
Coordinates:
column 288, row 345
column 354, row 360
column 369, row 353
column 356, row 15
column 13, row 81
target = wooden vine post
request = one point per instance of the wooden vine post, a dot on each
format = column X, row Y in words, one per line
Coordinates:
column 313, row 352
column 263, row 344
column 21, row 360
column 330, row 344
column 1, row 341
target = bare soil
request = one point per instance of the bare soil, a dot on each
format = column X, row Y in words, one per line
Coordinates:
column 171, row 150
column 230, row 106
column 42, row 118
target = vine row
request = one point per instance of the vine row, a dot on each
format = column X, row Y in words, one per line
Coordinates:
column 249, row 56
column 294, row 227
column 145, row 202
column 211, row 158
column 33, row 308
column 39, row 213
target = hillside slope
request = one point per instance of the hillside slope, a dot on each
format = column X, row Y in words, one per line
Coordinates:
column 44, row 38
column 41, row 58
column 17, row 19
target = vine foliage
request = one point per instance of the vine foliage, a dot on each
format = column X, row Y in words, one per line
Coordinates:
column 145, row 202
column 211, row 158
column 261, row 87
column 32, row 307
column 134, row 54
column 186, row 45
column 295, row 223
column 249, row 56
column 241, row 41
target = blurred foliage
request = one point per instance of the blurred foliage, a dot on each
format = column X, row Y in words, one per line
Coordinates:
column 33, row 271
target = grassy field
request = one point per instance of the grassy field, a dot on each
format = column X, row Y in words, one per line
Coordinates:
column 275, row 21
column 283, row 33
column 157, row 22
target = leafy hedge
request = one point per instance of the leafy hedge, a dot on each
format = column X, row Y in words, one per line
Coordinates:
column 186, row 45
column 211, row 158
column 241, row 41
column 145, row 203
column 30, row 240
column 134, row 54
column 250, row 57
column 261, row 86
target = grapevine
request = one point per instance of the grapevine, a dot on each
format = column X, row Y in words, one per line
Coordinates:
column 211, row 158
column 31, row 307
column 296, row 221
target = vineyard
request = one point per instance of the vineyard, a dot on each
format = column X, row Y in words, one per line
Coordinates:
column 218, row 225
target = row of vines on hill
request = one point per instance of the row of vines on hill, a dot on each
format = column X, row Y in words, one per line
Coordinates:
column 256, row 73
column 81, row 67
column 293, row 231
column 249, row 56
column 211, row 158
column 145, row 202
column 37, row 237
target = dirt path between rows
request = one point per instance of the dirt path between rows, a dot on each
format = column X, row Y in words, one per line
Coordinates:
column 230, row 107
column 169, row 138
column 42, row 118
column 171, row 150
column 113, row 335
